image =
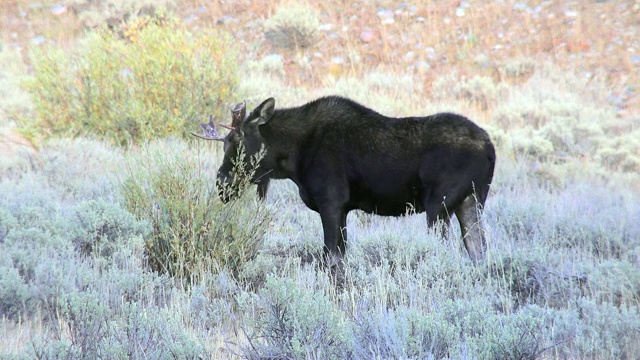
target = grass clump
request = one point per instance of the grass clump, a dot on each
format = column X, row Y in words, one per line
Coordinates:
column 193, row 232
column 155, row 80
column 293, row 26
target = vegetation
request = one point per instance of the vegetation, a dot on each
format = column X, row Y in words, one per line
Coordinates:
column 127, row 252
column 193, row 232
column 154, row 80
column 293, row 26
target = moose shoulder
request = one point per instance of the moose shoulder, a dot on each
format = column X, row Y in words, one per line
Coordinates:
column 345, row 156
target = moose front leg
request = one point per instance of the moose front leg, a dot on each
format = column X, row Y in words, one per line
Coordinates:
column 334, row 225
column 263, row 186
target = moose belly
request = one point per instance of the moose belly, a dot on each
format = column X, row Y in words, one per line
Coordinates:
column 386, row 201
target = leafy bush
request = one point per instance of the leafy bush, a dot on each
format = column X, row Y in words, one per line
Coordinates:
column 293, row 27
column 156, row 81
column 193, row 231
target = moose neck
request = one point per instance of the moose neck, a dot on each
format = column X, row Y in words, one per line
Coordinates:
column 282, row 136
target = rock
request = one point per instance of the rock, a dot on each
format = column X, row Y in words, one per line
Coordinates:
column 366, row 36
column 385, row 14
column 520, row 6
column 273, row 58
column 409, row 56
column 189, row 19
column 482, row 60
column 422, row 67
column 225, row 19
column 571, row 13
column 59, row 9
column 38, row 40
column 326, row 27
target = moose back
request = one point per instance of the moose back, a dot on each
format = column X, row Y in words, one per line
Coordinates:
column 345, row 156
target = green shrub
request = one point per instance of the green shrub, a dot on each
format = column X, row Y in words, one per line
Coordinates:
column 156, row 81
column 293, row 26
column 175, row 190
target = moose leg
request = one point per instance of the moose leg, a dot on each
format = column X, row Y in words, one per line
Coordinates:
column 334, row 224
column 437, row 217
column 263, row 186
column 472, row 233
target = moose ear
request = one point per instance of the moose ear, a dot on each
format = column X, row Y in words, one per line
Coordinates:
column 265, row 110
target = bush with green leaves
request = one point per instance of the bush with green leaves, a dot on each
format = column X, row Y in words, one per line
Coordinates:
column 155, row 80
column 174, row 188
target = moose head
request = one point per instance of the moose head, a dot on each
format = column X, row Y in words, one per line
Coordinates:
column 241, row 148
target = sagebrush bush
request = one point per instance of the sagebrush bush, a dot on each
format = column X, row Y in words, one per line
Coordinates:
column 558, row 116
column 100, row 226
column 94, row 330
column 403, row 333
column 480, row 91
column 96, row 13
column 156, row 80
column 293, row 26
column 296, row 323
column 174, row 188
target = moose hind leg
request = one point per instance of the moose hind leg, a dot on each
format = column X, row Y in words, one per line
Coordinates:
column 472, row 233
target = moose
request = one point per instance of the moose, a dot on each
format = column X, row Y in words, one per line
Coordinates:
column 344, row 156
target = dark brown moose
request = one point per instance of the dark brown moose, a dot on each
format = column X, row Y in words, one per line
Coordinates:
column 345, row 156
